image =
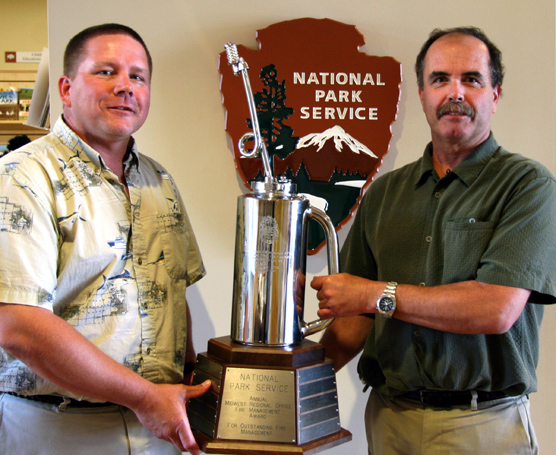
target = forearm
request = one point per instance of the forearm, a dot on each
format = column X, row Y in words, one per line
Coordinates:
column 345, row 338
column 467, row 307
column 61, row 355
column 57, row 352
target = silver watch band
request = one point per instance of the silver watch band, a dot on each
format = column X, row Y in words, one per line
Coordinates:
column 388, row 295
column 391, row 289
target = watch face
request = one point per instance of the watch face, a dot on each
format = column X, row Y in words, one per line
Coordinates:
column 386, row 304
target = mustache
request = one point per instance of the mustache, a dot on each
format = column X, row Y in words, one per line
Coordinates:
column 455, row 108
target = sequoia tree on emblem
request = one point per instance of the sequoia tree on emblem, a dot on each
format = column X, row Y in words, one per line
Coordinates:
column 325, row 111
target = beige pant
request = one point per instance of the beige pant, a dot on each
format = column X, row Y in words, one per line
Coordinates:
column 398, row 426
column 29, row 427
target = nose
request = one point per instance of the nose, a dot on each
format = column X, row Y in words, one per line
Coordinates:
column 455, row 93
column 123, row 85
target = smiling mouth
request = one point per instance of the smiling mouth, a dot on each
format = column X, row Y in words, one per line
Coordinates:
column 455, row 109
column 122, row 108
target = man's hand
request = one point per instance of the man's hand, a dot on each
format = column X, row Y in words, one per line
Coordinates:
column 163, row 412
column 343, row 295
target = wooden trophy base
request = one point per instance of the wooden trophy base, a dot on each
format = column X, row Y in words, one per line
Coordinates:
column 266, row 400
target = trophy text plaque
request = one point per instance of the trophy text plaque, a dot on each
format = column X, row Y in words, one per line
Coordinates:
column 258, row 404
column 266, row 400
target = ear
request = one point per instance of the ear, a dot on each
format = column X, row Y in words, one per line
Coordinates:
column 497, row 92
column 64, row 86
column 421, row 98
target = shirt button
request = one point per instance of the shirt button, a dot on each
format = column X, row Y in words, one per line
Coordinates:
column 140, row 261
column 437, row 195
column 423, row 284
column 148, row 351
column 429, row 239
column 417, row 333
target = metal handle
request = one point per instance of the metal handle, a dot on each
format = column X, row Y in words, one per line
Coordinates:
column 309, row 328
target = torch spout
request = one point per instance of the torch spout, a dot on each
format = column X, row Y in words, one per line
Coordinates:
column 240, row 66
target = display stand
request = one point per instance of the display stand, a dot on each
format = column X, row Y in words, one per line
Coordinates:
column 266, row 400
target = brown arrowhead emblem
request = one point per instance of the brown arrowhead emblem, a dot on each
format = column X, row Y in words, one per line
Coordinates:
column 324, row 108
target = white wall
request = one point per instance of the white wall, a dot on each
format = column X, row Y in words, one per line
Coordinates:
column 185, row 130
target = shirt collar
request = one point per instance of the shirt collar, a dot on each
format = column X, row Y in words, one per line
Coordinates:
column 131, row 159
column 468, row 170
column 75, row 143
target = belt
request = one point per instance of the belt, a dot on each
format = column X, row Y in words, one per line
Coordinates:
column 448, row 398
column 58, row 400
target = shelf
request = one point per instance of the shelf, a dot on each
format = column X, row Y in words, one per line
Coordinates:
column 18, row 79
column 11, row 128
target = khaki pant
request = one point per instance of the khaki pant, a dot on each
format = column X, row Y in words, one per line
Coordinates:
column 398, row 426
column 29, row 427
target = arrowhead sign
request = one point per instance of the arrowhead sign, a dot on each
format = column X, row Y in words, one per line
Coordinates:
column 324, row 108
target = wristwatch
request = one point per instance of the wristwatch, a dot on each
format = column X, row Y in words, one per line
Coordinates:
column 386, row 303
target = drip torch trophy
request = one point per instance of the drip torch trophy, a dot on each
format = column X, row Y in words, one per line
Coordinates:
column 274, row 392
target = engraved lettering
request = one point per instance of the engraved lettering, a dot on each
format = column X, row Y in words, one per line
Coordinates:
column 338, row 78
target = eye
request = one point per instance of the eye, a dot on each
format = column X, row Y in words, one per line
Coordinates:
column 474, row 79
column 140, row 77
column 438, row 79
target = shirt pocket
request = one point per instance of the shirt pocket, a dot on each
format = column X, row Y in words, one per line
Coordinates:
column 175, row 244
column 465, row 241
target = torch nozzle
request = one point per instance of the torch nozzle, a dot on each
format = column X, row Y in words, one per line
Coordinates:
column 240, row 66
column 236, row 62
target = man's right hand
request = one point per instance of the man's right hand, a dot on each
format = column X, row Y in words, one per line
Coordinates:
column 163, row 412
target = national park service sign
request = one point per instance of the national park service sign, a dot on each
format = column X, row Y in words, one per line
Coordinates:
column 325, row 111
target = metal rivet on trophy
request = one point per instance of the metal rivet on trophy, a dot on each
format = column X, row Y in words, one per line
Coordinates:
column 273, row 390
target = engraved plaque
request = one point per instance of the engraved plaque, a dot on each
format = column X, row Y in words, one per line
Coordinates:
column 266, row 400
column 258, row 405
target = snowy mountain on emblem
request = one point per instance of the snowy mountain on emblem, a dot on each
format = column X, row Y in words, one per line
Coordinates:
column 340, row 137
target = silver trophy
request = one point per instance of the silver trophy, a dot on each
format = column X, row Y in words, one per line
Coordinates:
column 273, row 390
column 271, row 248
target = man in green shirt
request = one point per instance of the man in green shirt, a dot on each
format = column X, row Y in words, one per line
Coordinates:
column 456, row 252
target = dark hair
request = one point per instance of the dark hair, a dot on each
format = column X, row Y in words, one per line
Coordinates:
column 75, row 49
column 18, row 141
column 495, row 63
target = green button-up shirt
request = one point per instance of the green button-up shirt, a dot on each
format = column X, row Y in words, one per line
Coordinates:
column 491, row 219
